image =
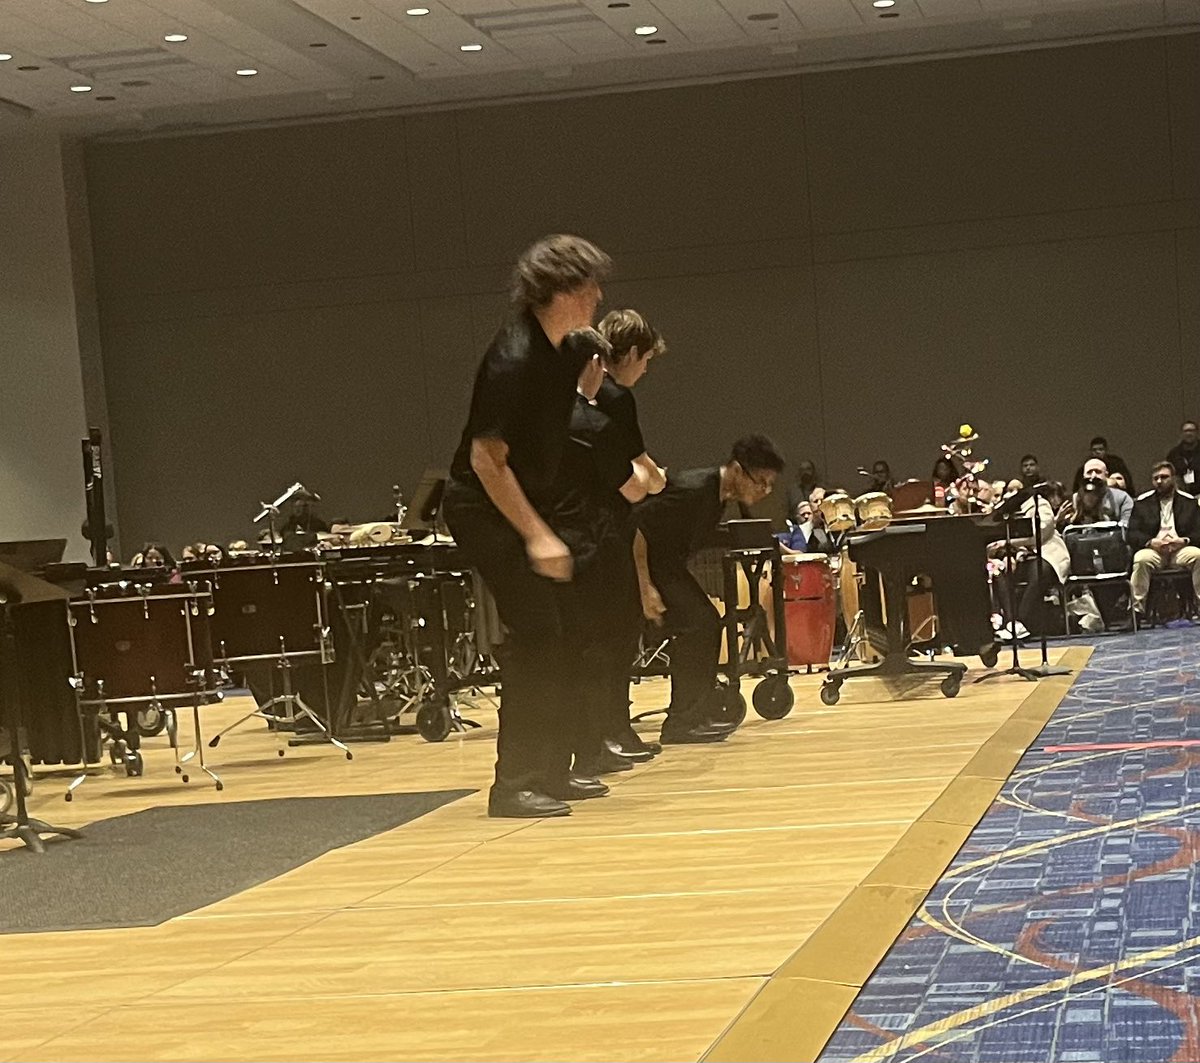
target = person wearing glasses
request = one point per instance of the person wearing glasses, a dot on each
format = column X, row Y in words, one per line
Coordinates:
column 672, row 526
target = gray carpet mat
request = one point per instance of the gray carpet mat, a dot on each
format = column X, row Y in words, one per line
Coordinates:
column 148, row 867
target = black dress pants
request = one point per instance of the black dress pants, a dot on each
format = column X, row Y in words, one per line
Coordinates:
column 694, row 625
column 604, row 623
column 533, row 747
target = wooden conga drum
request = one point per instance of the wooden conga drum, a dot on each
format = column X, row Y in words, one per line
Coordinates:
column 811, row 607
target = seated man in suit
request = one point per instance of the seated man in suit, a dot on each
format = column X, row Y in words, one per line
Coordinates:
column 671, row 527
column 1163, row 532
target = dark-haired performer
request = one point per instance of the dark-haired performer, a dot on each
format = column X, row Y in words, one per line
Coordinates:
column 598, row 481
column 500, row 488
column 611, row 654
column 671, row 527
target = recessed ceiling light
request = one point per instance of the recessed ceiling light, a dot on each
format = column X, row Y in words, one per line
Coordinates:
column 470, row 47
column 883, row 3
column 645, row 31
column 376, row 77
column 175, row 38
column 4, row 57
column 81, row 88
column 97, row 1
column 618, row 5
column 318, row 44
column 417, row 11
column 889, row 14
column 248, row 72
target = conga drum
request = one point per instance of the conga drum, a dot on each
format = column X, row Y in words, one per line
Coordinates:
column 838, row 511
column 810, row 604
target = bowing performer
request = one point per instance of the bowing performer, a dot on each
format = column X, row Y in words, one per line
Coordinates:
column 671, row 527
column 633, row 343
column 598, row 480
column 496, row 505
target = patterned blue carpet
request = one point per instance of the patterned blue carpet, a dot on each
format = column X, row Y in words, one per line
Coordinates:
column 1067, row 930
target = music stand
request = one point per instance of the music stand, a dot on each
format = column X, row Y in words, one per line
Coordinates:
column 1045, row 668
column 17, row 588
column 425, row 508
column 1008, row 511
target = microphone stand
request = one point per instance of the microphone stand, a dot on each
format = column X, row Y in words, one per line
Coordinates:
column 1008, row 511
column 270, row 510
column 1045, row 668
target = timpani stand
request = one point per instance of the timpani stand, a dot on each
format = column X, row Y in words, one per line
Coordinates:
column 272, row 610
column 139, row 648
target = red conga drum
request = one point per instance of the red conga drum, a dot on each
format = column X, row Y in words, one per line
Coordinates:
column 811, row 606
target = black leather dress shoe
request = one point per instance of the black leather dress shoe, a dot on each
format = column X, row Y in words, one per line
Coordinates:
column 694, row 735
column 579, row 788
column 525, row 804
column 628, row 751
column 606, row 762
column 723, row 726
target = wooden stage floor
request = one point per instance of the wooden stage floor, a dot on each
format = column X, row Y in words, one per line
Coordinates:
column 723, row 902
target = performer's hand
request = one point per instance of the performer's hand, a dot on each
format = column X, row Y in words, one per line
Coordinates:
column 653, row 608
column 548, row 556
column 591, row 378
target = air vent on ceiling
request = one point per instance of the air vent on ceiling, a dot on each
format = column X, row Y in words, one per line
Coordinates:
column 535, row 21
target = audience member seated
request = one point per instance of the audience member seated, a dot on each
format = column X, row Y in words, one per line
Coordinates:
column 1033, row 586
column 945, row 472
column 804, row 535
column 1112, row 462
column 209, row 552
column 801, row 489
column 1184, row 456
column 1164, row 533
column 1116, row 505
column 1056, row 494
column 1031, row 470
column 152, row 555
column 1095, row 606
column 881, row 477
column 1117, row 480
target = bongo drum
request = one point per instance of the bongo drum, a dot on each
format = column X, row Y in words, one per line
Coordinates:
column 838, row 511
column 874, row 510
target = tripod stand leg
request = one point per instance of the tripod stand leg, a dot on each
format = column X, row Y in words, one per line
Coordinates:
column 307, row 713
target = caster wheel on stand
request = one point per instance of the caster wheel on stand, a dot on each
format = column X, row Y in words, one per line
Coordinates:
column 133, row 764
column 729, row 706
column 433, row 722
column 951, row 685
column 773, row 698
column 151, row 721
column 831, row 693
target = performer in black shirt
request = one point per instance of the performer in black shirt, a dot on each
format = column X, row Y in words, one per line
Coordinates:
column 672, row 526
column 619, row 614
column 598, row 480
column 496, row 502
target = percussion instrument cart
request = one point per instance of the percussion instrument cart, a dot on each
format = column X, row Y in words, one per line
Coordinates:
column 750, row 649
column 885, row 550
